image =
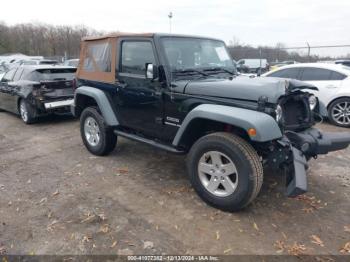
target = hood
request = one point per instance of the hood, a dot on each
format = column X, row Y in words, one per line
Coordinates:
column 242, row 87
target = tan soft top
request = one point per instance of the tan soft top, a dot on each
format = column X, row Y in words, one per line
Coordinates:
column 98, row 56
column 116, row 35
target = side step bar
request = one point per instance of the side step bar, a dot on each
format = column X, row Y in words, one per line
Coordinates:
column 149, row 142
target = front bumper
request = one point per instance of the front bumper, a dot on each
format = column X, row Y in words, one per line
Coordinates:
column 300, row 147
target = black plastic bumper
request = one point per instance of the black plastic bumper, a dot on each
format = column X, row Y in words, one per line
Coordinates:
column 297, row 174
column 305, row 145
column 313, row 142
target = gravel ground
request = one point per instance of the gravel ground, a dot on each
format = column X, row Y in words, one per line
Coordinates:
column 57, row 198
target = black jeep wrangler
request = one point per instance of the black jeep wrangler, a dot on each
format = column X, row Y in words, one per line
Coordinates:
column 181, row 94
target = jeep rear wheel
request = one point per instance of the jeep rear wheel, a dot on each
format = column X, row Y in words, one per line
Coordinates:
column 98, row 138
column 225, row 171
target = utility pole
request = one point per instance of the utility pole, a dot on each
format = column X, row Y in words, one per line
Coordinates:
column 308, row 51
column 260, row 54
column 170, row 15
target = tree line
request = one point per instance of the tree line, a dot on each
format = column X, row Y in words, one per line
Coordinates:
column 42, row 39
column 64, row 41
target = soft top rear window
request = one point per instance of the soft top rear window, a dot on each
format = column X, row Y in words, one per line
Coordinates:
column 98, row 57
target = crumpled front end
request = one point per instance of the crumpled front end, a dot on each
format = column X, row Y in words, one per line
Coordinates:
column 294, row 149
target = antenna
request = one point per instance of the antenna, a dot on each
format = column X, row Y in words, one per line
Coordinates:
column 170, row 15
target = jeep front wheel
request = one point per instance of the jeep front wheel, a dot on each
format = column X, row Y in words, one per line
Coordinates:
column 98, row 138
column 225, row 171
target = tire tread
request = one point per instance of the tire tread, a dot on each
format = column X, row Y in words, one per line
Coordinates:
column 110, row 137
column 256, row 176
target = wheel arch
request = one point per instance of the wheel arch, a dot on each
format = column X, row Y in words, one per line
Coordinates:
column 331, row 118
column 19, row 98
column 205, row 126
column 335, row 99
column 86, row 96
column 225, row 118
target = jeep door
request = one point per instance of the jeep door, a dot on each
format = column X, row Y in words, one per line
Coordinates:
column 139, row 100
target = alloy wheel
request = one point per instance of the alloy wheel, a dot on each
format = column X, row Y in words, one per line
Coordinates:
column 92, row 131
column 217, row 173
column 341, row 113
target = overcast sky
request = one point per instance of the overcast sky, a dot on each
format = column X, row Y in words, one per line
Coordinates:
column 254, row 22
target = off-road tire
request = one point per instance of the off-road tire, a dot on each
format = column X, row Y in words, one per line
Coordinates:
column 30, row 112
column 248, row 165
column 107, row 139
column 330, row 110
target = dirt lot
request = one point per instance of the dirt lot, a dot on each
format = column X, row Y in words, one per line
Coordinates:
column 56, row 198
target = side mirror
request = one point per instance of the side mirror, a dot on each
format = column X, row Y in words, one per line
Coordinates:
column 151, row 71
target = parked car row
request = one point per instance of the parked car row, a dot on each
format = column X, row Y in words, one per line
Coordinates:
column 71, row 62
column 256, row 66
column 9, row 61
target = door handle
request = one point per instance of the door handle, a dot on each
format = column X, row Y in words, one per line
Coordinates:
column 331, row 86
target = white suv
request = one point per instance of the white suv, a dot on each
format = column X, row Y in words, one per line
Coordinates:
column 333, row 82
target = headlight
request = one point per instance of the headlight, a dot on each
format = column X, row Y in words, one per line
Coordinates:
column 312, row 102
column 279, row 113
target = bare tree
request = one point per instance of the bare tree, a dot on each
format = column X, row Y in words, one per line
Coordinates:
column 43, row 39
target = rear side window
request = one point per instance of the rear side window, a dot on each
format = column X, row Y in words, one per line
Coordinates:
column 287, row 73
column 9, row 75
column 316, row 74
column 337, row 76
column 52, row 74
column 135, row 55
column 98, row 57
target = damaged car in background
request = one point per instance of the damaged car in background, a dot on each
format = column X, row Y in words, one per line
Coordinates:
column 34, row 91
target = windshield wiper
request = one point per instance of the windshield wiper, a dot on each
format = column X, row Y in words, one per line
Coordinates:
column 217, row 69
column 186, row 71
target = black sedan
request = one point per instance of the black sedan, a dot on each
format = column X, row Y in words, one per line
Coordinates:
column 34, row 91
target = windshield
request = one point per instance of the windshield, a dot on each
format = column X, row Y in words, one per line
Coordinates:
column 197, row 54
